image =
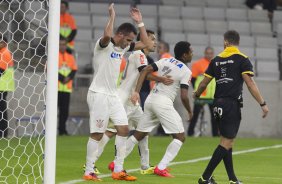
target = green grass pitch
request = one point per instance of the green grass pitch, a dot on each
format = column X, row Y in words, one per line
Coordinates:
column 19, row 160
column 258, row 167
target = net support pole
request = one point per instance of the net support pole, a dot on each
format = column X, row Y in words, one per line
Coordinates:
column 52, row 92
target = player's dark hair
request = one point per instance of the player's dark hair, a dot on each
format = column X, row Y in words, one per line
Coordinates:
column 166, row 45
column 148, row 32
column 232, row 37
column 181, row 48
column 4, row 38
column 126, row 28
column 65, row 3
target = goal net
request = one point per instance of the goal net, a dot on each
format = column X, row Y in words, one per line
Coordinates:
column 23, row 24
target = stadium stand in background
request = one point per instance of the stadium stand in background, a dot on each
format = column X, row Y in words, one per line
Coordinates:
column 202, row 22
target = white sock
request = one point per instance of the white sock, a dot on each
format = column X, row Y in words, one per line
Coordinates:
column 130, row 143
column 91, row 157
column 144, row 153
column 171, row 152
column 120, row 153
column 105, row 139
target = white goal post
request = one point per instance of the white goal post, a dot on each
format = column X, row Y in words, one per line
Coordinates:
column 52, row 91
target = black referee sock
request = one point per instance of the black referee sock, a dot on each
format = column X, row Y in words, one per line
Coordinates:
column 228, row 162
column 217, row 156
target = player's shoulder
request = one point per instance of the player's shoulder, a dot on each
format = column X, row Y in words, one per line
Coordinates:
column 186, row 68
column 137, row 53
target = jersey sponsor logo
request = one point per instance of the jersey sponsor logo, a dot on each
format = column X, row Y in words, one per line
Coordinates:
column 224, row 80
column 142, row 59
column 166, row 70
column 99, row 123
column 176, row 62
column 116, row 55
column 224, row 62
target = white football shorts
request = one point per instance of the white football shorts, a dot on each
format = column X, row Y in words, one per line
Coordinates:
column 160, row 107
column 134, row 114
column 103, row 107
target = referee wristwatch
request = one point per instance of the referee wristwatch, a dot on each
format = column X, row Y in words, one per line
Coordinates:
column 263, row 104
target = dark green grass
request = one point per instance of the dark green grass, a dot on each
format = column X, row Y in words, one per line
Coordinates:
column 263, row 167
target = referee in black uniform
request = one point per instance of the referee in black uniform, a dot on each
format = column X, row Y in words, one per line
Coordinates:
column 230, row 69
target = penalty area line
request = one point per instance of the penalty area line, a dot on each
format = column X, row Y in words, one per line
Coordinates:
column 188, row 161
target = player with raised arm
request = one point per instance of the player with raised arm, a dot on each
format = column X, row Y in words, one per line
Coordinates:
column 102, row 98
column 136, row 62
column 159, row 103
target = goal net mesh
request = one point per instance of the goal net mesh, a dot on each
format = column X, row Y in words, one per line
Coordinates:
column 24, row 24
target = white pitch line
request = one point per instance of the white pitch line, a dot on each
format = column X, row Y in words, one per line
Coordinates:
column 187, row 161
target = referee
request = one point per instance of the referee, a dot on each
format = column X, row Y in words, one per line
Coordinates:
column 230, row 69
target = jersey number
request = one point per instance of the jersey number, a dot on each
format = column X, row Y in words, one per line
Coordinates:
column 217, row 111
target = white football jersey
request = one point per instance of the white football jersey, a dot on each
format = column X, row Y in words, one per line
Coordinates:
column 106, row 63
column 178, row 71
column 130, row 75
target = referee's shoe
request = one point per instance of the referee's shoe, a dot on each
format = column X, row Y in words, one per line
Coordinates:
column 235, row 182
column 209, row 181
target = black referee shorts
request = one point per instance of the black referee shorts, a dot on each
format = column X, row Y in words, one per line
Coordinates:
column 228, row 115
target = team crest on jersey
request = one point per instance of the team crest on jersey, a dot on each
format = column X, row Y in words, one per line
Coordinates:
column 116, row 55
column 100, row 123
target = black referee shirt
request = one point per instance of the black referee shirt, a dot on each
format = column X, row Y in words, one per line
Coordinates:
column 227, row 69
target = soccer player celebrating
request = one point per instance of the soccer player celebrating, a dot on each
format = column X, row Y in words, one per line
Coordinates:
column 102, row 98
column 136, row 62
column 159, row 103
column 230, row 69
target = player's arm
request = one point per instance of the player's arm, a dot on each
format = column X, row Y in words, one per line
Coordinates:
column 148, row 69
column 202, row 86
column 105, row 40
column 166, row 80
column 143, row 74
column 144, row 40
column 255, row 93
column 185, row 100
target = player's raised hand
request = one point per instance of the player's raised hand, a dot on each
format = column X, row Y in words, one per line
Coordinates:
column 135, row 98
column 136, row 15
column 112, row 12
column 167, row 80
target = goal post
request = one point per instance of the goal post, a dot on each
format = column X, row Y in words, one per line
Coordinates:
column 29, row 31
column 52, row 91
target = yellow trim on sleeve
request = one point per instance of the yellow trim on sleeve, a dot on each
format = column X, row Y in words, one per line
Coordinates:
column 208, row 75
column 248, row 72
